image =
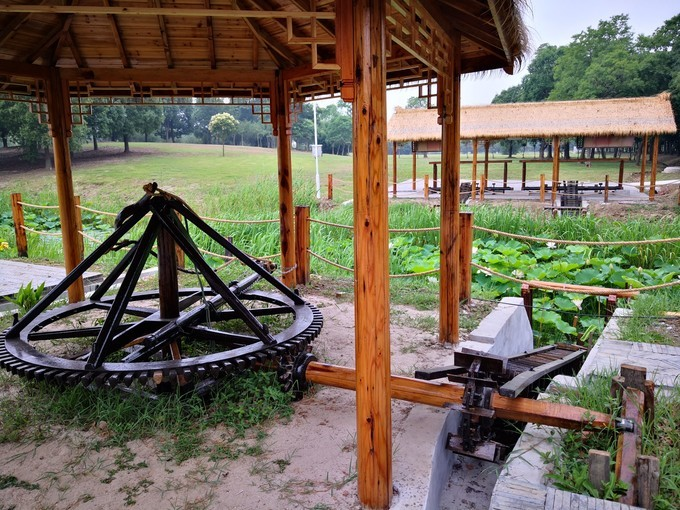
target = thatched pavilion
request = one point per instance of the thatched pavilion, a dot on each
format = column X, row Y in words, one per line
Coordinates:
column 62, row 56
column 607, row 122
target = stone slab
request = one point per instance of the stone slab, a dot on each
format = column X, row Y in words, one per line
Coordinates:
column 507, row 328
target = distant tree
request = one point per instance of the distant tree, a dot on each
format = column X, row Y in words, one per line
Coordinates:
column 98, row 124
column 146, row 119
column 121, row 124
column 537, row 85
column 416, row 102
column 510, row 95
column 28, row 133
column 222, row 125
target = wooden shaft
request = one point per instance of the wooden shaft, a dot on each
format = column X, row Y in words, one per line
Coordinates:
column 19, row 232
column 79, row 227
column 285, row 177
column 434, row 175
column 449, row 234
column 643, row 163
column 524, row 175
column 505, row 174
column 629, row 444
column 371, row 257
column 330, row 186
column 542, row 188
column 621, row 166
column 466, row 238
column 528, row 297
column 652, row 175
column 473, row 191
column 606, row 189
column 555, row 169
column 302, row 237
column 168, row 287
column 426, row 187
column 58, row 106
column 414, row 169
column 394, row 169
column 444, row 394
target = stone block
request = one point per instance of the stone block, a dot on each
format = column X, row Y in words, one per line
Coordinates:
column 507, row 328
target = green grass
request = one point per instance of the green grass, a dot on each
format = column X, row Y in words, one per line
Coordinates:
column 648, row 322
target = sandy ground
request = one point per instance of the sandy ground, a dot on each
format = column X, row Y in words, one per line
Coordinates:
column 308, row 462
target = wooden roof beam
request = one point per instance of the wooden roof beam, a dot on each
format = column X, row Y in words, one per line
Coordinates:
column 211, row 38
column 162, row 75
column 164, row 35
column 306, row 5
column 68, row 39
column 50, row 39
column 15, row 24
column 116, row 37
column 14, row 68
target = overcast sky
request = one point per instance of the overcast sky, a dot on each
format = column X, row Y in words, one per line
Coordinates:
column 555, row 23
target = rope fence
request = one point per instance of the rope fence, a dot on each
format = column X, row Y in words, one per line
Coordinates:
column 26, row 204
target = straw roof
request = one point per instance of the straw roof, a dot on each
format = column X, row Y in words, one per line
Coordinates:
column 233, row 48
column 592, row 117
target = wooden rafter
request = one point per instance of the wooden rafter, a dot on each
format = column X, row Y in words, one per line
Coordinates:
column 50, row 39
column 211, row 38
column 164, row 35
column 305, row 5
column 68, row 39
column 273, row 47
column 116, row 37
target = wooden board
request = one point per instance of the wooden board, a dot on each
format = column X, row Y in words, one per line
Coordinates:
column 15, row 274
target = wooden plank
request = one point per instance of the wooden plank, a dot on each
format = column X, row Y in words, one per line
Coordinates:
column 371, row 258
column 599, row 468
column 629, row 444
column 634, row 376
column 648, row 471
column 302, row 244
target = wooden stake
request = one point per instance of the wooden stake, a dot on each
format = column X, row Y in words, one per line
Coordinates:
column 648, row 471
column 643, row 163
column 629, row 444
column 528, row 297
column 449, row 234
column 542, row 190
column 426, row 187
column 466, row 237
column 330, row 186
column 487, row 146
column 371, row 257
column 59, row 107
column 19, row 232
column 524, row 175
column 474, row 169
column 302, row 237
column 606, row 188
column 414, row 168
column 621, row 165
column 655, row 160
column 556, row 169
column 285, row 177
column 599, row 468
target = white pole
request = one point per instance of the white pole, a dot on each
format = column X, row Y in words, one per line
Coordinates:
column 316, row 157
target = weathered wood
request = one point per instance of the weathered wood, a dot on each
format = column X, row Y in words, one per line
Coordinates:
column 330, row 186
column 434, row 175
column 599, row 468
column 466, row 237
column 542, row 188
column 634, row 376
column 555, row 169
column 302, row 236
column 528, row 298
column 524, row 175
column 648, row 472
column 616, row 390
column 344, row 47
column 394, row 170
column 58, row 105
column 285, row 178
column 14, row 274
column 474, row 169
column 610, row 307
column 606, row 188
column 168, row 287
column 179, row 253
column 79, row 226
column 449, row 233
column 643, row 162
column 650, row 400
column 482, row 187
column 655, row 160
column 621, row 165
column 19, row 232
column 445, row 394
column 371, row 258
column 426, row 187
column 629, row 444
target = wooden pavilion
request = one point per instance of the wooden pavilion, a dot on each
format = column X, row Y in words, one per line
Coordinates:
column 63, row 56
column 603, row 122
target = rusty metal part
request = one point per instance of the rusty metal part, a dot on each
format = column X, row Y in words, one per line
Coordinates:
column 219, row 329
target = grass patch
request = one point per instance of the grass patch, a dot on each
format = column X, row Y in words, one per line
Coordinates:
column 648, row 322
column 7, row 481
column 660, row 438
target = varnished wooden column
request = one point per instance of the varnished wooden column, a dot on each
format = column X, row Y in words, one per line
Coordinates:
column 285, row 175
column 371, row 264
column 555, row 169
column 59, row 109
column 449, row 272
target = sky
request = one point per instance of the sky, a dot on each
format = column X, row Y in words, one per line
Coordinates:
column 552, row 22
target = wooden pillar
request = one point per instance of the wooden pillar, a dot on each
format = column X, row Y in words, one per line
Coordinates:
column 524, row 175
column 449, row 273
column 643, row 163
column 487, row 146
column 330, row 186
column 371, row 255
column 606, row 188
column 394, row 169
column 556, row 169
column 426, row 187
column 302, row 227
column 652, row 176
column 542, row 188
column 19, row 232
column 505, row 174
column 434, row 175
column 285, row 184
column 59, row 109
column 621, row 168
column 466, row 238
column 473, row 192
column 414, row 167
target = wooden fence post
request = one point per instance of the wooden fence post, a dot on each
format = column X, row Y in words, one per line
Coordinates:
column 599, row 470
column 302, row 228
column 528, row 297
column 426, row 187
column 611, row 306
column 621, row 164
column 606, row 189
column 79, row 226
column 466, row 238
column 330, row 186
column 482, row 187
column 19, row 232
column 542, row 188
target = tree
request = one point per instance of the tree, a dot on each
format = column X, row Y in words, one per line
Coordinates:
column 222, row 125
column 510, row 95
column 537, row 85
column 146, row 119
column 121, row 124
column 416, row 102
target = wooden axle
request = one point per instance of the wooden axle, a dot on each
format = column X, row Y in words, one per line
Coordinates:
column 443, row 394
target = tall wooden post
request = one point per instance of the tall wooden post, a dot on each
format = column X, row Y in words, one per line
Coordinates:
column 371, row 274
column 449, row 273
column 59, row 108
column 643, row 163
column 394, row 169
column 487, row 146
column 302, row 243
column 556, row 169
column 473, row 191
column 655, row 160
column 19, row 232
column 330, row 186
column 466, row 238
column 285, row 184
column 79, row 227
column 414, row 166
